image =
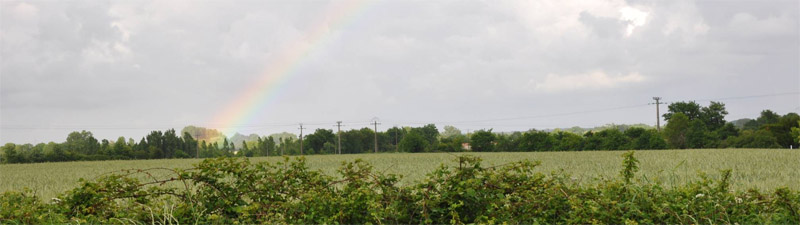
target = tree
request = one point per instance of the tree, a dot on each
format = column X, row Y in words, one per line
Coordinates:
column 508, row 142
column 729, row 130
column 768, row 117
column 756, row 139
column 190, row 145
column 697, row 136
column 395, row 135
column 656, row 141
column 430, row 133
column 317, row 140
column 640, row 138
column 567, row 141
column 10, row 154
column 482, row 141
column 689, row 109
column 357, row 141
column 796, row 134
column 120, row 149
column 225, row 145
column 204, row 134
column 536, row 141
column 450, row 132
column 413, row 142
column 592, row 141
column 55, row 153
column 265, row 146
column 675, row 130
column 714, row 115
column 245, row 150
column 612, row 139
column 782, row 128
column 82, row 142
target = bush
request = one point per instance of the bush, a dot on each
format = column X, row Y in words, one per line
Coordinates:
column 233, row 190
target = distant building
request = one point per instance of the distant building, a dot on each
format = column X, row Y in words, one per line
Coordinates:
column 466, row 146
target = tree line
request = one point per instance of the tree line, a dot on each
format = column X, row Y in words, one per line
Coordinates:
column 689, row 125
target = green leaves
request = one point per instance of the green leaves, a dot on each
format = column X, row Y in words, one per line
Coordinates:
column 234, row 190
column 630, row 166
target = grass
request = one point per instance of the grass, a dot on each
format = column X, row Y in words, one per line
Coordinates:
column 752, row 168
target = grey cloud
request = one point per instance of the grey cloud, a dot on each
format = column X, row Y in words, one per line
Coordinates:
column 155, row 64
column 603, row 27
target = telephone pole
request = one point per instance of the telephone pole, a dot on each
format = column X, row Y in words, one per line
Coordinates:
column 658, row 117
column 283, row 143
column 375, row 122
column 339, row 137
column 396, row 147
column 301, row 138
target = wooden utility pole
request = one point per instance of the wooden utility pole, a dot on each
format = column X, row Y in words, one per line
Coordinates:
column 339, row 137
column 375, row 122
column 301, row 138
column 658, row 117
column 396, row 147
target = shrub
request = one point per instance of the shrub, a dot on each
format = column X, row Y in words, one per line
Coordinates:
column 233, row 190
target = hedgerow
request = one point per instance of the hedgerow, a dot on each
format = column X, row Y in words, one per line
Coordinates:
column 234, row 190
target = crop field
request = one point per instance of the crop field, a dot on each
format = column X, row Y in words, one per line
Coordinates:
column 751, row 168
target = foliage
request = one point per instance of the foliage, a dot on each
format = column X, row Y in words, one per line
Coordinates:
column 451, row 132
column 234, row 190
column 689, row 126
column 482, row 141
column 413, row 142
column 536, row 141
column 644, row 139
column 754, row 139
column 689, row 109
column 782, row 130
column 204, row 134
column 796, row 134
column 713, row 116
column 698, row 136
column 567, row 141
column 676, row 130
column 318, row 139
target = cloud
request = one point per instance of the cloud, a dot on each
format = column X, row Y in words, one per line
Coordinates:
column 683, row 19
column 95, row 62
column 748, row 26
column 634, row 18
column 596, row 80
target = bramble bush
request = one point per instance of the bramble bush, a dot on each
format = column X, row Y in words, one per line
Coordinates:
column 234, row 190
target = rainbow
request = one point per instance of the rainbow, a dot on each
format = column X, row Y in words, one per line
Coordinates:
column 279, row 71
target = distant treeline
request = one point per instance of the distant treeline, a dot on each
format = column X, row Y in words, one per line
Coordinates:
column 689, row 126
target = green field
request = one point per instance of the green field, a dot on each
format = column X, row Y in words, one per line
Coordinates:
column 752, row 168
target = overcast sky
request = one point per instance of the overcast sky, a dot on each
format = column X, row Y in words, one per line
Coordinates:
column 124, row 68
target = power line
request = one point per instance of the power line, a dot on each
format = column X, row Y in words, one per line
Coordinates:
column 466, row 122
column 593, row 111
column 751, row 96
column 272, row 125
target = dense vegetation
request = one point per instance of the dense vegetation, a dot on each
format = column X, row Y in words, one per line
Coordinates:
column 689, row 126
column 762, row 169
column 229, row 190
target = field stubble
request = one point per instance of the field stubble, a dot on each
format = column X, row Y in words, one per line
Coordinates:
column 751, row 168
